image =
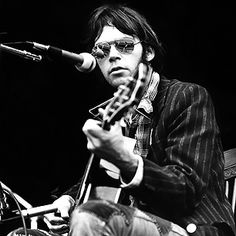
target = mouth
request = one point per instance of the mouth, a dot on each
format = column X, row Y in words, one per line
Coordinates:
column 116, row 69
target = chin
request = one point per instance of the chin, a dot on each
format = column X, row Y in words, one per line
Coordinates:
column 119, row 81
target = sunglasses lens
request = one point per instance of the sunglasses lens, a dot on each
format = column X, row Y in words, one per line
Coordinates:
column 125, row 46
column 101, row 50
column 105, row 47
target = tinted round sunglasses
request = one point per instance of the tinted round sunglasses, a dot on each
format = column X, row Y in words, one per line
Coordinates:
column 102, row 50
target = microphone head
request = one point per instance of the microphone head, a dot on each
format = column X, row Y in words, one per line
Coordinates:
column 89, row 63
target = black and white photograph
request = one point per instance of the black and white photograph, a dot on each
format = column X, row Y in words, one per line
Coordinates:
column 117, row 118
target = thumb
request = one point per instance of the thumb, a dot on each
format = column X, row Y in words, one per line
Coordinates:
column 64, row 211
column 64, row 204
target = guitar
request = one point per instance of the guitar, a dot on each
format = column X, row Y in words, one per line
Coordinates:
column 124, row 101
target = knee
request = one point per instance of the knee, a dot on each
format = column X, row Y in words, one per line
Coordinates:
column 85, row 223
column 30, row 232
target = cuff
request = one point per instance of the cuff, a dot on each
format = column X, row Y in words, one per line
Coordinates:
column 137, row 177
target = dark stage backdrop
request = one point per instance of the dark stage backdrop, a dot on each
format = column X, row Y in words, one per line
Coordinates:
column 43, row 106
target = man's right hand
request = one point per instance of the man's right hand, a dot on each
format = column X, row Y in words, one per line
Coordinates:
column 58, row 222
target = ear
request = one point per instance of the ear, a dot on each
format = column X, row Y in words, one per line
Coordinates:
column 149, row 54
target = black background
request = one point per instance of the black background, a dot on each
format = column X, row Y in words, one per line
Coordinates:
column 44, row 105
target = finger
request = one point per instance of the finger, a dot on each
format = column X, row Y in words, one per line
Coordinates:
column 53, row 220
column 56, row 226
column 90, row 145
column 91, row 125
column 59, row 229
column 122, row 123
column 117, row 127
column 101, row 111
column 64, row 213
column 62, row 230
column 47, row 222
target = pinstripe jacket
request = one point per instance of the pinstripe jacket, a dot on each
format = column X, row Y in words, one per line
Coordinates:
column 183, row 177
column 180, row 144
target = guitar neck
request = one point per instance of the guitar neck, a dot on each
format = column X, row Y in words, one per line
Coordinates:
column 125, row 99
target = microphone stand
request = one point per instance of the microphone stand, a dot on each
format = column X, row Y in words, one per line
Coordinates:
column 24, row 203
column 21, row 53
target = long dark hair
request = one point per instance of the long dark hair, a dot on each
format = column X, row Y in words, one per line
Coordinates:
column 128, row 21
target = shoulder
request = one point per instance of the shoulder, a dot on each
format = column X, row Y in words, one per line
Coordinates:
column 186, row 87
column 178, row 88
column 181, row 94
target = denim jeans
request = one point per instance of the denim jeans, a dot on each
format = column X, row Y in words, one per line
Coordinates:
column 104, row 218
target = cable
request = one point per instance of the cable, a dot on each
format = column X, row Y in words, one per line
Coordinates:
column 9, row 192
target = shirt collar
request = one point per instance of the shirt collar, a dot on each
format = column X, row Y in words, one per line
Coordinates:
column 150, row 94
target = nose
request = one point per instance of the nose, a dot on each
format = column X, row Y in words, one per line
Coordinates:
column 114, row 53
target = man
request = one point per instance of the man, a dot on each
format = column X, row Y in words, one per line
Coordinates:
column 173, row 176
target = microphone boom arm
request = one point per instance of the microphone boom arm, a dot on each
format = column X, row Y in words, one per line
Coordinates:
column 21, row 53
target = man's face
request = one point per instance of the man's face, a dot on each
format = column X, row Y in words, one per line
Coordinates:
column 117, row 65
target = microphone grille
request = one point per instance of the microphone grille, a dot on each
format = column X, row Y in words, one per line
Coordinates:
column 89, row 63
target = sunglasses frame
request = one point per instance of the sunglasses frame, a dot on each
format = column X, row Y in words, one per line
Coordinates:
column 98, row 49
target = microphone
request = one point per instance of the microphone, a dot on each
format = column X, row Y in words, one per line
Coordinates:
column 21, row 53
column 40, row 210
column 84, row 62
